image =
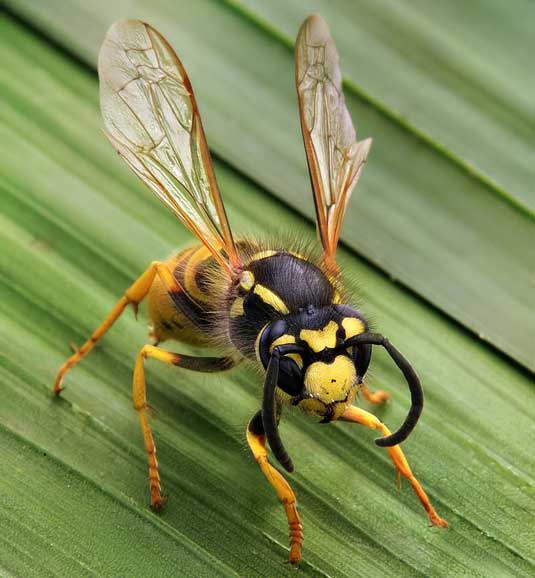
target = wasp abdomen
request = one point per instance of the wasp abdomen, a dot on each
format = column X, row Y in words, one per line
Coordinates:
column 186, row 316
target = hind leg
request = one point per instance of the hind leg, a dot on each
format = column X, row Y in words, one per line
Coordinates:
column 133, row 295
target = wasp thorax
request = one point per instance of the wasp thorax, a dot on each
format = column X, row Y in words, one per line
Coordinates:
column 331, row 387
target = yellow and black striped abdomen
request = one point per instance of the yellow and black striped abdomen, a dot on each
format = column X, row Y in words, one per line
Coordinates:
column 188, row 315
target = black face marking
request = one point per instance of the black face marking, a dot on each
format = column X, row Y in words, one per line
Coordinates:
column 310, row 318
column 329, row 409
column 328, row 414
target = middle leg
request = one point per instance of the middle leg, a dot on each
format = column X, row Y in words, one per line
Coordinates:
column 203, row 364
column 375, row 397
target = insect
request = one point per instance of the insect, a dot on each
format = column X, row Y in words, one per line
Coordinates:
column 269, row 303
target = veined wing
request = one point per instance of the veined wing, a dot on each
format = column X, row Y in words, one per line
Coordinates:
column 335, row 157
column 151, row 118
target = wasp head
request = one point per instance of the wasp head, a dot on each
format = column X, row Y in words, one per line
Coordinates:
column 318, row 373
column 316, row 359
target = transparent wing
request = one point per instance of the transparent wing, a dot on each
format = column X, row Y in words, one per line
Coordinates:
column 152, row 120
column 335, row 157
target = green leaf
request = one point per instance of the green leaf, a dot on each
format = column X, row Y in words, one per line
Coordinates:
column 76, row 229
column 440, row 218
column 452, row 72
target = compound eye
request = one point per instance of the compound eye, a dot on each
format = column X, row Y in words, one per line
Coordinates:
column 290, row 376
column 269, row 338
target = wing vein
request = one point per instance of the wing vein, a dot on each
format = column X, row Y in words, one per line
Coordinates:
column 151, row 118
column 334, row 155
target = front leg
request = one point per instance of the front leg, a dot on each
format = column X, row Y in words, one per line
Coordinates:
column 256, row 438
column 357, row 415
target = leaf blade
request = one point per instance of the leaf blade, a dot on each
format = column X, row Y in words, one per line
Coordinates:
column 69, row 221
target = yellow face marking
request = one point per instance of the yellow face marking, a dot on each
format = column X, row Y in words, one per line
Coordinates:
column 282, row 340
column 337, row 298
column 271, row 298
column 263, row 255
column 285, row 340
column 353, row 326
column 330, row 383
column 320, row 339
column 237, row 307
column 247, row 280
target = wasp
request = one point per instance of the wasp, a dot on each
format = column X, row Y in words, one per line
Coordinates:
column 270, row 303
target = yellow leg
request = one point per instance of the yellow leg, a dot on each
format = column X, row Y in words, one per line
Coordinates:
column 357, row 415
column 204, row 364
column 376, row 397
column 141, row 406
column 257, row 443
column 133, row 295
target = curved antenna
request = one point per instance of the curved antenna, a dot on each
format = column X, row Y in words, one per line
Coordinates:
column 269, row 406
column 415, row 387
